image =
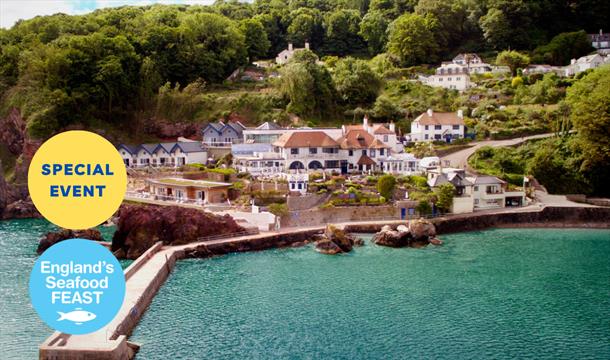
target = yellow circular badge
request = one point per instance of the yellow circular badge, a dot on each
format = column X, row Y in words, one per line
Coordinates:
column 77, row 180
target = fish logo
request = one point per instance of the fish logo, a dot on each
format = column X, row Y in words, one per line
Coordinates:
column 78, row 316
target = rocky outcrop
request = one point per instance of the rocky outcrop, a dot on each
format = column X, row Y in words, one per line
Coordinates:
column 419, row 233
column 12, row 131
column 335, row 240
column 14, row 202
column 141, row 226
column 53, row 238
column 422, row 230
column 165, row 129
column 393, row 238
column 21, row 209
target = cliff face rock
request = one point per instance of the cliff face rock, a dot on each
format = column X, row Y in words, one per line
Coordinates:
column 14, row 202
column 53, row 238
column 140, row 226
column 12, row 131
column 336, row 240
column 21, row 209
column 166, row 129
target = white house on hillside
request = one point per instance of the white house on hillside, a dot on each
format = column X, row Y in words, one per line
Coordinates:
column 585, row 63
column 449, row 76
column 285, row 55
column 440, row 126
column 601, row 42
column 474, row 64
column 475, row 192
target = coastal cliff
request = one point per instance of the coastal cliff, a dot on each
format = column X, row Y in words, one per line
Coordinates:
column 14, row 198
column 141, row 226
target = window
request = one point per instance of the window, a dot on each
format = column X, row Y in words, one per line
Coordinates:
column 381, row 152
column 331, row 164
column 313, row 150
column 351, row 152
column 456, row 127
column 437, row 127
column 385, row 138
column 476, row 188
column 277, row 164
column 363, row 152
column 458, row 78
column 330, row 150
column 294, row 151
column 476, row 201
column 426, row 136
column 426, row 127
column 448, row 79
column 440, row 79
column 437, row 136
column 372, row 152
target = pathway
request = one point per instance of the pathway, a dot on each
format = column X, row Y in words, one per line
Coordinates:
column 459, row 159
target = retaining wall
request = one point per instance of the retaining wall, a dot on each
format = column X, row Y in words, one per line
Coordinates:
column 315, row 217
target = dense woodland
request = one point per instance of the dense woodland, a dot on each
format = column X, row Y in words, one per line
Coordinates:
column 119, row 68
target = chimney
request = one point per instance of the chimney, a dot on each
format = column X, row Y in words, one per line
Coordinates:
column 365, row 122
column 393, row 127
column 289, row 46
column 601, row 32
column 430, row 112
column 460, row 114
column 307, row 45
column 573, row 61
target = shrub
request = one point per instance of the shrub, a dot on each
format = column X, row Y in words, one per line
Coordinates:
column 386, row 185
column 278, row 209
column 423, row 208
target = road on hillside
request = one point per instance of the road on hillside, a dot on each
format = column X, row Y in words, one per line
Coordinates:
column 459, row 159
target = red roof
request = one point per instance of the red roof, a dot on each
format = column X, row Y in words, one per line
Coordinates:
column 305, row 139
column 440, row 118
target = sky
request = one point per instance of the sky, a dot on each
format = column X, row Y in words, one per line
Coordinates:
column 13, row 10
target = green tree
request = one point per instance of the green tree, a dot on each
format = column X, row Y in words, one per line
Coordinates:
column 373, row 29
column 356, row 82
column 423, row 208
column 453, row 20
column 342, row 27
column 386, row 185
column 444, row 197
column 306, row 25
column 563, row 47
column 307, row 85
column 257, row 43
column 506, row 24
column 513, row 59
column 411, row 39
column 211, row 48
column 589, row 101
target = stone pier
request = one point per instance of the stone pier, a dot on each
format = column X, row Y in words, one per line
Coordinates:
column 147, row 274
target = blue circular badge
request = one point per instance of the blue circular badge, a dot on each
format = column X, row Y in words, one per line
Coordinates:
column 77, row 286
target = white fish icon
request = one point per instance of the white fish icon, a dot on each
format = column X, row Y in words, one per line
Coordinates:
column 78, row 316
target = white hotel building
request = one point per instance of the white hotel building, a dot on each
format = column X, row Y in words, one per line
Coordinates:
column 439, row 126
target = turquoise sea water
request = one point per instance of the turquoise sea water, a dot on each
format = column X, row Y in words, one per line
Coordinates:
column 497, row 294
column 21, row 331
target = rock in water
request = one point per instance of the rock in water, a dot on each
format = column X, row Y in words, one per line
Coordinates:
column 21, row 209
column 392, row 238
column 53, row 238
column 422, row 230
column 335, row 241
column 328, row 247
column 141, row 226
